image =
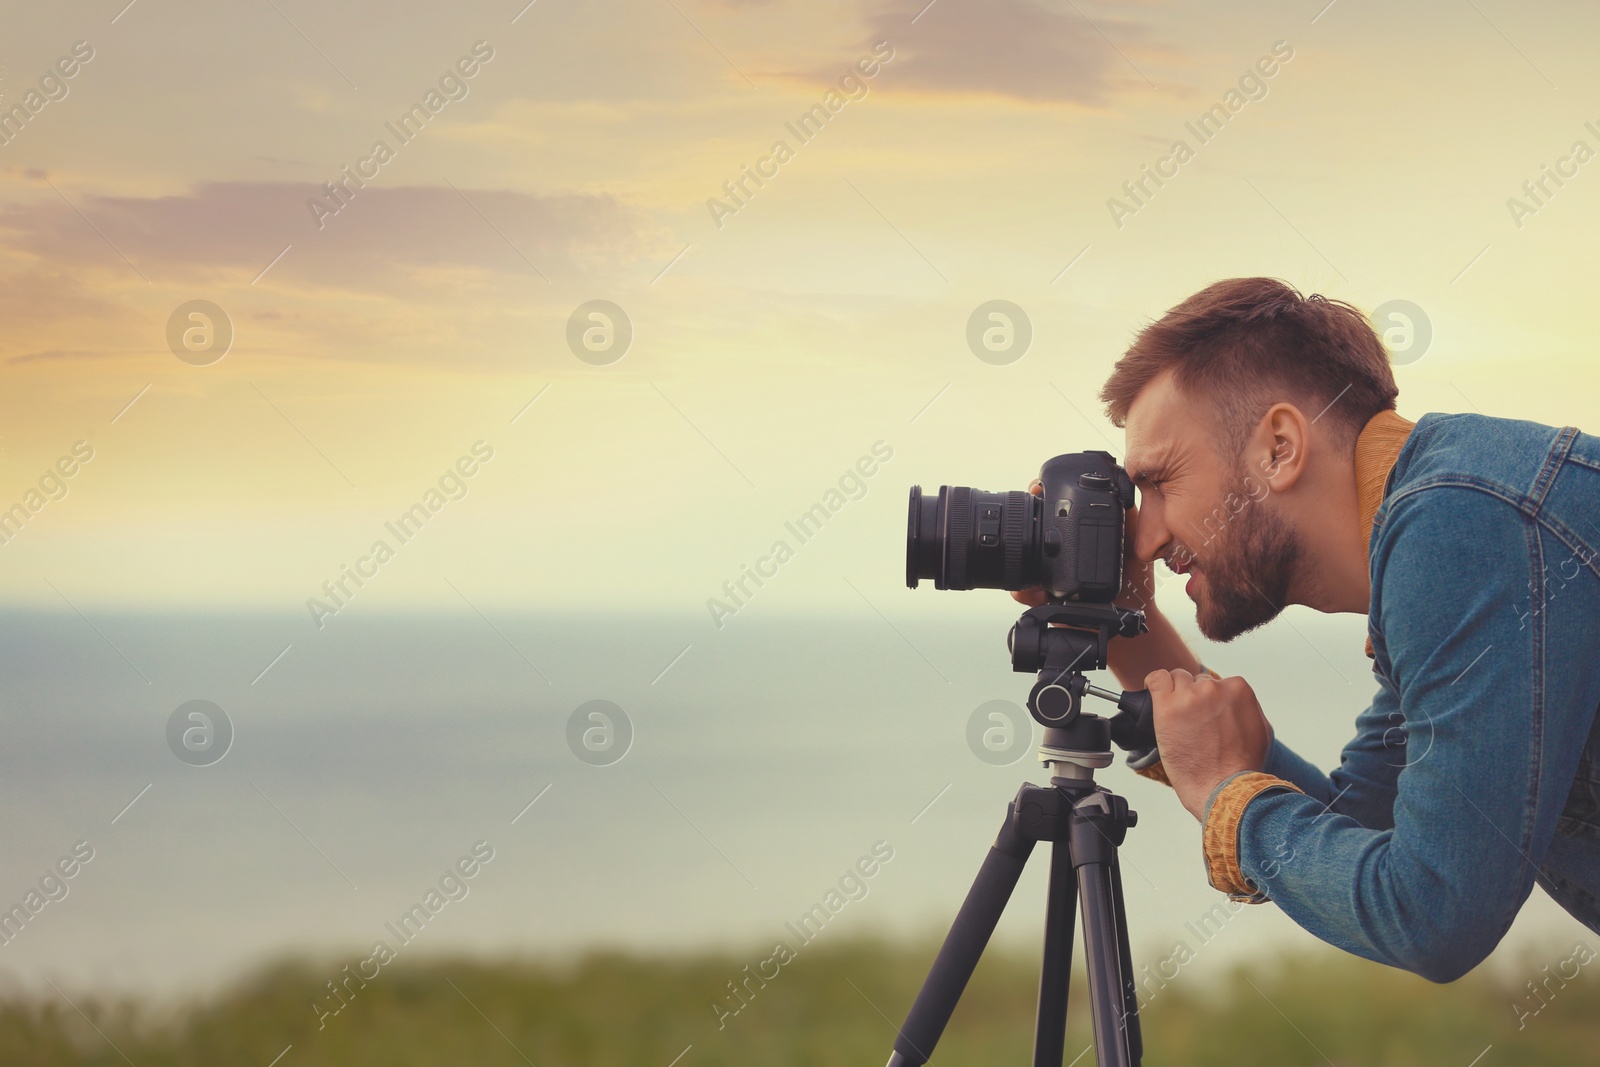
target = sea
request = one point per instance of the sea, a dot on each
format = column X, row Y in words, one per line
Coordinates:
column 651, row 784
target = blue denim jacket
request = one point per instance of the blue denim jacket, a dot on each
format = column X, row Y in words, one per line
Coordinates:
column 1475, row 772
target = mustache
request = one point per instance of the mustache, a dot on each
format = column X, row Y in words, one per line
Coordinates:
column 1180, row 560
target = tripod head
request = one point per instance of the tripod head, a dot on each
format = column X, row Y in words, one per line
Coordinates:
column 1076, row 742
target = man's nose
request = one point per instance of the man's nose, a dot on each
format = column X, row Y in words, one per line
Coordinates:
column 1150, row 540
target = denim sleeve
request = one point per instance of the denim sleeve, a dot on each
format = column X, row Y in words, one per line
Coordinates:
column 1434, row 889
column 1363, row 785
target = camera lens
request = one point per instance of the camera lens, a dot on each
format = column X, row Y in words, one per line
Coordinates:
column 968, row 539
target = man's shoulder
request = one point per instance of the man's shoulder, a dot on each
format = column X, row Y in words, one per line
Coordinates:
column 1466, row 486
column 1502, row 457
column 1449, row 541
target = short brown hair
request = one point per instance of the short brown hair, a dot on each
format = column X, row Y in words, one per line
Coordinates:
column 1245, row 344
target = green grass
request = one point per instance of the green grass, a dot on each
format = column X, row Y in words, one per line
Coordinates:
column 826, row 1007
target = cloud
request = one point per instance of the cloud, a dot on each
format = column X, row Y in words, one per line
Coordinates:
column 1013, row 48
column 374, row 241
column 398, row 274
column 56, row 355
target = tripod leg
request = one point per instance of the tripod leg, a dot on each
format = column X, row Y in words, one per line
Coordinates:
column 968, row 937
column 1103, row 955
column 1130, row 986
column 1055, row 973
column 1099, row 821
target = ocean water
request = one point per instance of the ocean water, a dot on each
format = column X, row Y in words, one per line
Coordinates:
column 767, row 761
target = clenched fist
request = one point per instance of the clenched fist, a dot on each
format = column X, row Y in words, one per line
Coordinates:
column 1208, row 730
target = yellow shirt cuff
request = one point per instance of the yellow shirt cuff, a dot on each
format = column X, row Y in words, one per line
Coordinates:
column 1220, row 837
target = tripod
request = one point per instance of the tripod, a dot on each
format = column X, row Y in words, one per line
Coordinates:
column 1084, row 822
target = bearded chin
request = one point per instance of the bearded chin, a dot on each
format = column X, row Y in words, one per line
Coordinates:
column 1246, row 582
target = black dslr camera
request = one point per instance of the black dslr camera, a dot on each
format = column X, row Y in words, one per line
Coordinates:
column 1067, row 539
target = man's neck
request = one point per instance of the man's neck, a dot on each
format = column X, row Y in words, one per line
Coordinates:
column 1335, row 525
column 1332, row 575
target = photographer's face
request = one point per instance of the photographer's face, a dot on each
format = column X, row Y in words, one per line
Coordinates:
column 1197, row 511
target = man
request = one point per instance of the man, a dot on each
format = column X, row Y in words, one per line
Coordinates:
column 1273, row 469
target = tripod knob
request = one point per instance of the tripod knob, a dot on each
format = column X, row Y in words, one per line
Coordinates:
column 1134, row 727
column 1056, row 699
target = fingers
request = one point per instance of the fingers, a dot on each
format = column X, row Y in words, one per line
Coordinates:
column 1171, row 681
column 1236, row 684
column 1036, row 487
column 1178, row 679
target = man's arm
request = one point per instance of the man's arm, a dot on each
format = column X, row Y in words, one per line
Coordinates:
column 1161, row 649
column 1363, row 785
column 1491, row 743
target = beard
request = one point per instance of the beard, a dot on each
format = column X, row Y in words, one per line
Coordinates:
column 1245, row 580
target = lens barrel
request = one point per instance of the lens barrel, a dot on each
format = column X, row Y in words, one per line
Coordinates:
column 968, row 539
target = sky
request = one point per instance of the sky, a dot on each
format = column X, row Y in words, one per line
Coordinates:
column 547, row 316
column 773, row 341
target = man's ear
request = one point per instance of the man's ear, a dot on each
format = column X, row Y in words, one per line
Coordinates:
column 1280, row 445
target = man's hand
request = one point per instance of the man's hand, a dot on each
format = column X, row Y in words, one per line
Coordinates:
column 1207, row 730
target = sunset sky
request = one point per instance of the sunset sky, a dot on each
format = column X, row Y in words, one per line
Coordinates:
column 772, row 345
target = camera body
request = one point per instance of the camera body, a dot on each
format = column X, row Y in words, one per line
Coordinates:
column 1068, row 539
